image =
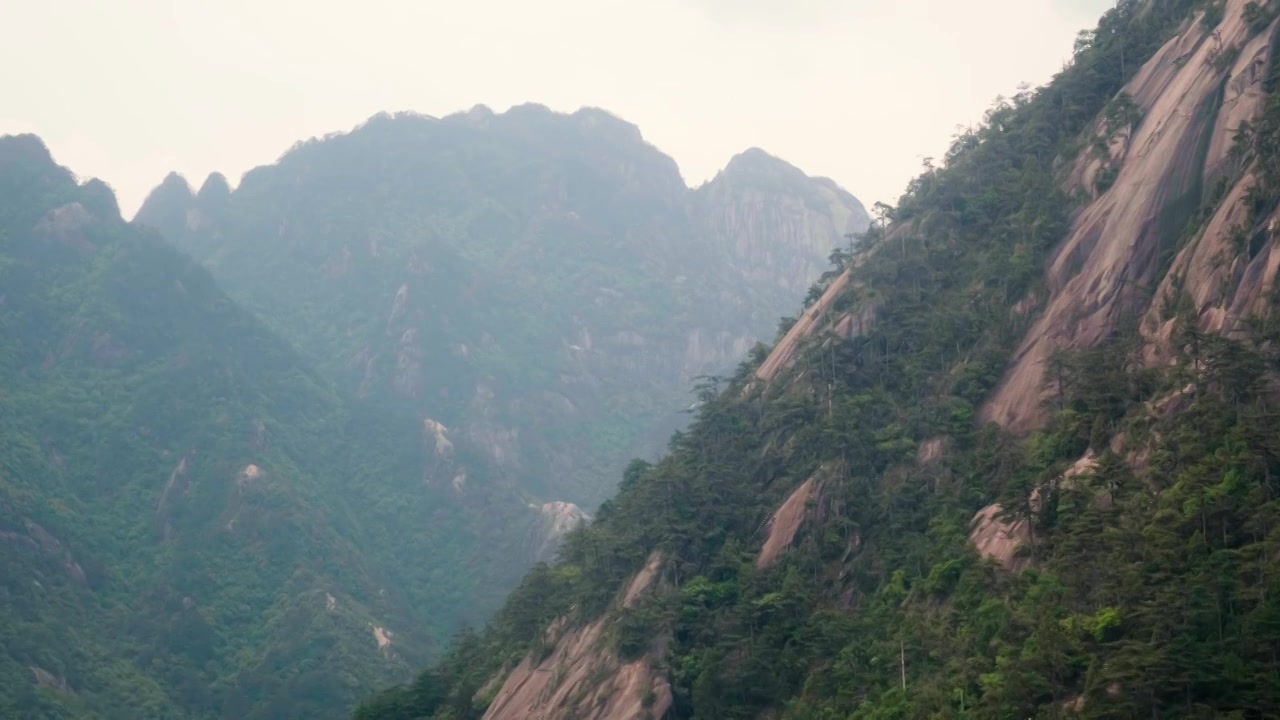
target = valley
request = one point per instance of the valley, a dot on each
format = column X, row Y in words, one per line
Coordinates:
column 496, row 416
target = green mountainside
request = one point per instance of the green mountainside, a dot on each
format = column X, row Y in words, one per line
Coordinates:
column 1018, row 458
column 193, row 522
column 544, row 286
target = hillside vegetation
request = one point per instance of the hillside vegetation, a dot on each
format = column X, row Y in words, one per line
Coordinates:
column 191, row 518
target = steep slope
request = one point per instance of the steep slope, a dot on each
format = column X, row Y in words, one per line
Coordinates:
column 756, row 198
column 1164, row 146
column 192, row 521
column 839, row 535
column 543, row 285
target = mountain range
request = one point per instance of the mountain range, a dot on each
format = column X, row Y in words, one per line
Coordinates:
column 438, row 345
column 545, row 286
column 281, row 450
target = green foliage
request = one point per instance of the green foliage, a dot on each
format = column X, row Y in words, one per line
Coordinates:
column 1260, row 143
column 1259, row 15
column 1213, row 14
column 192, row 521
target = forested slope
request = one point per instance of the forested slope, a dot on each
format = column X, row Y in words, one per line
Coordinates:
column 1018, row 458
column 192, row 521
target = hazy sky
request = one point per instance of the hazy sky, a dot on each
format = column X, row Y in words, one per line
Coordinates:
column 858, row 90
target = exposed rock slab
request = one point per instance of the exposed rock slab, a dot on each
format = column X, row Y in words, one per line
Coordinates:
column 999, row 539
column 785, row 523
column 583, row 678
column 1107, row 265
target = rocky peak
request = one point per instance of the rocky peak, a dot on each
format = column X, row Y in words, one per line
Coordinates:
column 777, row 223
column 755, row 163
column 215, row 193
column 27, row 170
column 174, row 185
column 608, row 125
column 100, row 199
column 478, row 116
column 23, row 149
column 166, row 207
column 555, row 520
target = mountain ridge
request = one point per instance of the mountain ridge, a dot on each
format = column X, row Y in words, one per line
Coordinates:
column 586, row 177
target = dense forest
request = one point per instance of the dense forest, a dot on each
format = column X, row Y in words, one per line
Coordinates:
column 841, row 534
column 191, row 518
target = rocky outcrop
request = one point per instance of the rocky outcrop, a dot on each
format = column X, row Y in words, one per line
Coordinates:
column 176, row 487
column 36, row 539
column 775, row 223
column 784, row 523
column 642, row 580
column 999, row 539
column 554, row 521
column 931, row 450
column 1191, row 99
column 46, row 679
column 582, row 677
column 819, row 316
column 66, row 225
column 783, row 353
column 855, row 324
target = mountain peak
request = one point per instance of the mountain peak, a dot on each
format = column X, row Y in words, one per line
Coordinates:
column 23, row 148
column 479, row 115
column 24, row 157
column 100, row 199
column 756, row 162
column 594, row 118
column 171, row 198
column 215, row 192
column 591, row 119
column 174, row 185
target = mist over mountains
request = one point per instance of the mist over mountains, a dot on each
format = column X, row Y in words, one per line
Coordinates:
column 440, row 343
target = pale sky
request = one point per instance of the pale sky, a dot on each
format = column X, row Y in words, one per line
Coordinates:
column 857, row 90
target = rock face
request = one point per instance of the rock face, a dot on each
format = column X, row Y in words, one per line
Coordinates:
column 555, row 520
column 785, row 523
column 583, row 677
column 1191, row 97
column 998, row 539
column 544, row 285
column 774, row 223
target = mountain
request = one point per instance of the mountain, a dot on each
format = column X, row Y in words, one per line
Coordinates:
column 1017, row 459
column 543, row 286
column 194, row 523
column 209, row 510
column 775, row 224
